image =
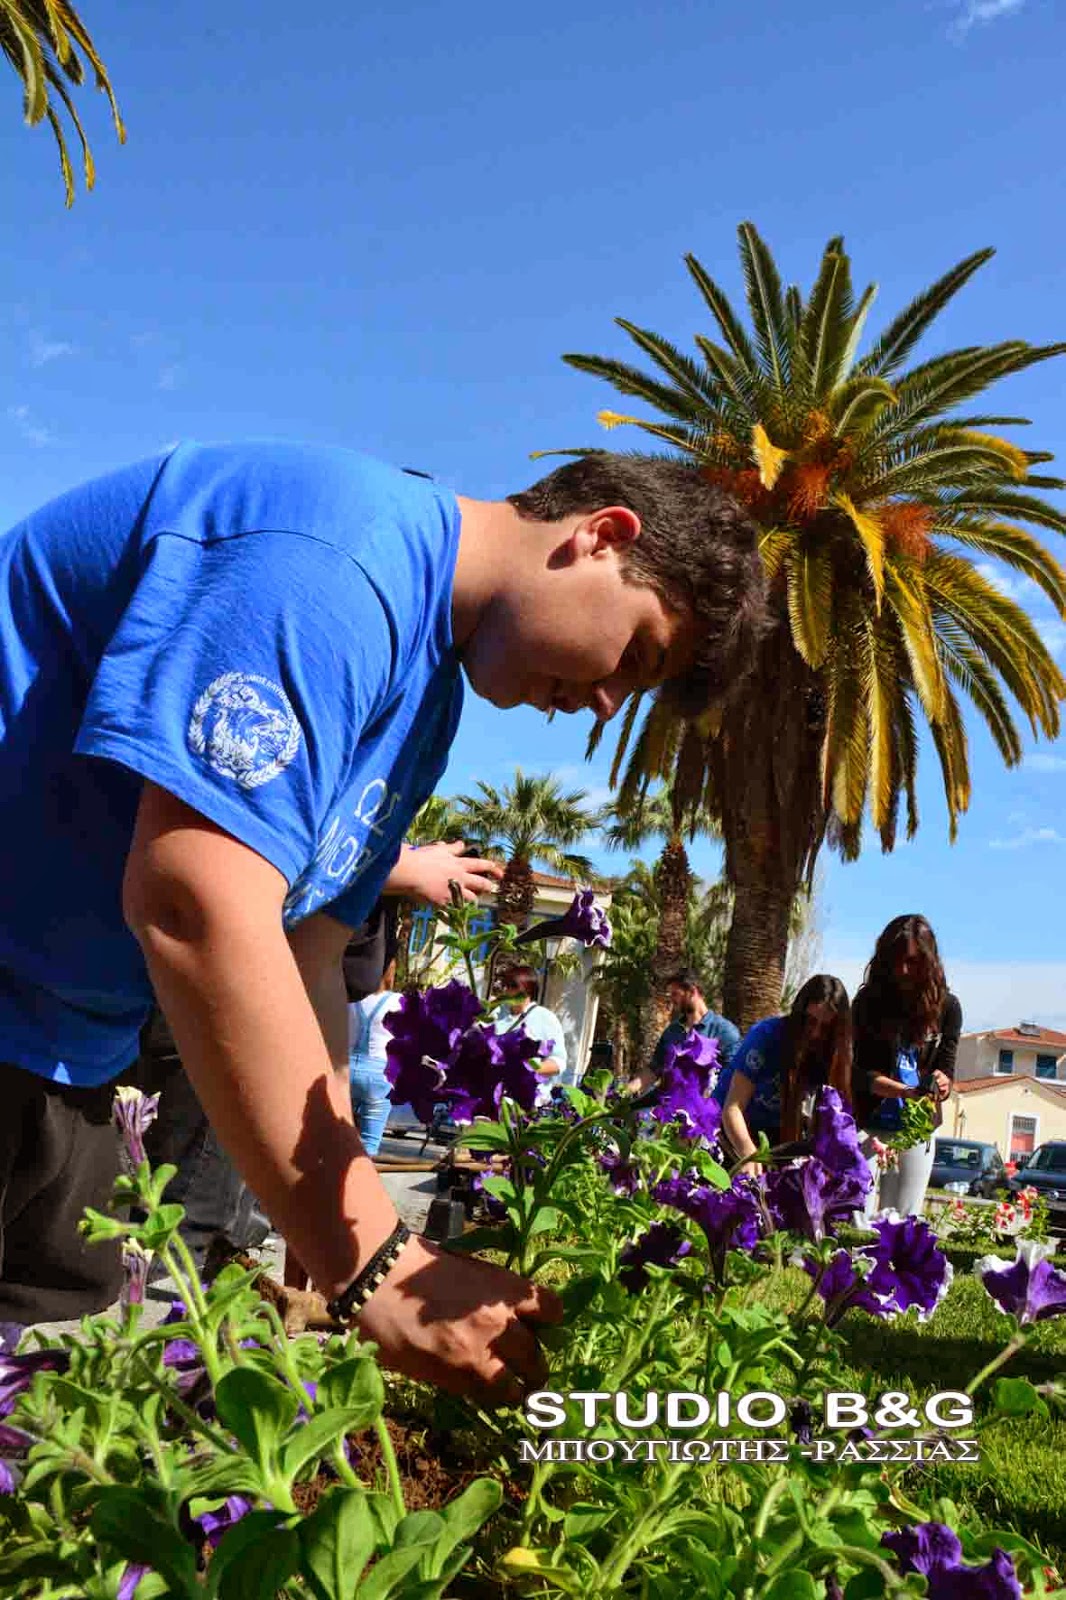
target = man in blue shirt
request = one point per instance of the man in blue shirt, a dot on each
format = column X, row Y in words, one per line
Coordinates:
column 229, row 676
column 692, row 1011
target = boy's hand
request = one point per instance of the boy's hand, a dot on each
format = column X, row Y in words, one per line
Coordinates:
column 465, row 1325
column 428, row 872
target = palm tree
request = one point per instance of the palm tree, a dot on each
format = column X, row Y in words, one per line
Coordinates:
column 874, row 494
column 657, row 814
column 45, row 40
column 624, row 978
column 530, row 822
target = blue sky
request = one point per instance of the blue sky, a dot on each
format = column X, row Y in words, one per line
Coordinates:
column 383, row 230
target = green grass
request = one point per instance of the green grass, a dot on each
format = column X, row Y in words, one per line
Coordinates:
column 1021, row 1480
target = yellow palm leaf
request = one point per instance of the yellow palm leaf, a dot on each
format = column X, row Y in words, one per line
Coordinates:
column 872, row 539
column 810, row 602
column 768, row 458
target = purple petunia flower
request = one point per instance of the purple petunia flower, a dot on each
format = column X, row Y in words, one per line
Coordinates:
column 801, row 1421
column 127, row 1586
column 689, row 1071
column 1028, row 1287
column 933, row 1550
column 909, row 1264
column 133, row 1114
column 17, row 1373
column 662, row 1245
column 906, row 1269
column 215, row 1523
column 136, row 1261
column 836, row 1141
column 731, row 1219
column 623, row 1176
column 812, row 1199
column 486, row 1066
column 440, row 1052
column 13, row 1445
column 583, row 921
column 426, row 1029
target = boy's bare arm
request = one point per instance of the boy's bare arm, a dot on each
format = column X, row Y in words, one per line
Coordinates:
column 207, row 913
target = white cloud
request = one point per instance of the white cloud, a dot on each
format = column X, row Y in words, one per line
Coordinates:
column 1053, row 633
column 1007, row 582
column 29, row 428
column 1029, row 836
column 168, row 377
column 44, row 350
column 978, row 13
column 1042, row 762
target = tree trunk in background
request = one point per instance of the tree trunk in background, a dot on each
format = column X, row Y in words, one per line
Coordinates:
column 756, row 953
column 404, row 926
column 766, row 767
column 517, row 892
column 673, row 878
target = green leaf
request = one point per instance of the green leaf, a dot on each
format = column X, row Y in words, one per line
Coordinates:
column 521, row 1562
column 1016, row 1397
column 125, row 1520
column 792, row 1585
column 584, row 1518
column 866, row 1583
column 355, row 1383
column 464, row 1515
column 257, row 1409
column 315, row 1437
column 267, row 1559
column 485, row 1136
column 160, row 1226
column 546, row 1218
column 389, row 1572
column 494, row 1236
column 336, row 1542
column 226, row 1475
column 499, row 1187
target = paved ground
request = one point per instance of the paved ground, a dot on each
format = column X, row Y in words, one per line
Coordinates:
column 411, row 1192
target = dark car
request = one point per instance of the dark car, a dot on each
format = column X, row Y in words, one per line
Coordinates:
column 964, row 1166
column 1045, row 1171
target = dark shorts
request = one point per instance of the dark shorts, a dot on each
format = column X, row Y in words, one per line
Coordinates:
column 59, row 1152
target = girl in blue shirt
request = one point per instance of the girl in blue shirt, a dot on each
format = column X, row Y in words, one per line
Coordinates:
column 907, row 1027
column 781, row 1061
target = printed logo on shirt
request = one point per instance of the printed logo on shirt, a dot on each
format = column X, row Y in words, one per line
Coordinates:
column 245, row 728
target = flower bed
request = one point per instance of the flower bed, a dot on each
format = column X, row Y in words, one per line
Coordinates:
column 214, row 1456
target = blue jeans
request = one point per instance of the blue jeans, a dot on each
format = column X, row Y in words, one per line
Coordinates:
column 370, row 1099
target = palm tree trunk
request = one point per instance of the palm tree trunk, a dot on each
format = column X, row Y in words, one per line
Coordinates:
column 673, row 878
column 517, row 892
column 756, row 952
column 767, row 769
column 404, row 926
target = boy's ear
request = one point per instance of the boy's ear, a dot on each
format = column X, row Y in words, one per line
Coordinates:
column 607, row 528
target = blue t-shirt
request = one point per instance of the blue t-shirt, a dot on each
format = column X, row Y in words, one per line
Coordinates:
column 888, row 1113
column 712, row 1026
column 758, row 1058
column 262, row 629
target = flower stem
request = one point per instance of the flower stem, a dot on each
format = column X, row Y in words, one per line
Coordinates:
column 1011, row 1349
column 392, row 1466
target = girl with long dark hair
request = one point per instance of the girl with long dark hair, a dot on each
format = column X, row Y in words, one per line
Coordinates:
column 780, row 1063
column 907, row 1025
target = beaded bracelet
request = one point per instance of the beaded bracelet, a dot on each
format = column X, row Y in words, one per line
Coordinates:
column 346, row 1306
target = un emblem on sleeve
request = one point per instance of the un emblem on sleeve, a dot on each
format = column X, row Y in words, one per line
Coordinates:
column 245, row 728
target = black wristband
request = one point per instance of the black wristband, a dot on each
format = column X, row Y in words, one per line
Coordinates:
column 346, row 1306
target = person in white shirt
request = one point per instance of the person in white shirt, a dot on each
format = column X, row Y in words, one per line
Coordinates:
column 368, row 1041
column 517, row 988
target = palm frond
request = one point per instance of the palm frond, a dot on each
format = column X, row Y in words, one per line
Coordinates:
column 904, row 331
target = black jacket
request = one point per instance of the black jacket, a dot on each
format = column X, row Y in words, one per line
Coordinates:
column 877, row 1044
